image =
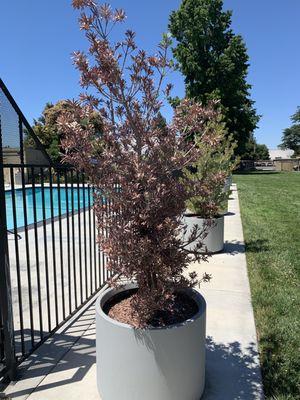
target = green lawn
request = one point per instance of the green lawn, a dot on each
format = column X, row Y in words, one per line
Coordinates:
column 270, row 205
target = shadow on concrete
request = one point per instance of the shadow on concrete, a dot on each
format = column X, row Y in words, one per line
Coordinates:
column 233, row 248
column 252, row 246
column 231, row 372
column 72, row 350
column 229, row 214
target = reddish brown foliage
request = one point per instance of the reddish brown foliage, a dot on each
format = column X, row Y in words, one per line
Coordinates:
column 139, row 166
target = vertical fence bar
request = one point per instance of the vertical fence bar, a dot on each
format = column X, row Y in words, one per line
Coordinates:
column 101, row 274
column 73, row 238
column 99, row 257
column 53, row 244
column 5, row 282
column 36, row 242
column 44, row 216
column 21, row 140
column 79, row 237
column 2, row 355
column 68, row 241
column 28, row 266
column 103, row 255
column 84, row 235
column 90, row 239
column 16, row 240
column 99, row 250
column 95, row 243
column 107, row 210
column 61, row 247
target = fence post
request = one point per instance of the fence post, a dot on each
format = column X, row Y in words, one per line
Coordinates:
column 5, row 282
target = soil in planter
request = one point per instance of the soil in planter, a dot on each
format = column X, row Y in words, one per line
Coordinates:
column 120, row 309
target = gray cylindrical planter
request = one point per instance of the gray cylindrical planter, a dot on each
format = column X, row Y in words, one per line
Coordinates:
column 213, row 242
column 227, row 184
column 155, row 363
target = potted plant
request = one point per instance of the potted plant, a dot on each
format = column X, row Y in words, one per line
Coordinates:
column 150, row 323
column 205, row 211
column 228, row 183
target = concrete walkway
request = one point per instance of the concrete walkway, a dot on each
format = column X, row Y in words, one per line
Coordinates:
column 64, row 367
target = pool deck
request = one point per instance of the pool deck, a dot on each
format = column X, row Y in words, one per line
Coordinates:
column 64, row 367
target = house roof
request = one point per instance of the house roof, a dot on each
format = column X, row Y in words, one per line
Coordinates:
column 280, row 154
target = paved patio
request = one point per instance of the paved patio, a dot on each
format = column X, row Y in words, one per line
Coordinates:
column 64, row 368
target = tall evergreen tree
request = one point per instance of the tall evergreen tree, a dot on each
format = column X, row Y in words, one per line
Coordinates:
column 214, row 62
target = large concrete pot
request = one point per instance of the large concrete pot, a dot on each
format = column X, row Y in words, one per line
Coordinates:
column 150, row 364
column 213, row 242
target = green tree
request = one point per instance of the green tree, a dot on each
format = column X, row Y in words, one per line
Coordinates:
column 291, row 136
column 255, row 151
column 47, row 129
column 262, row 152
column 296, row 117
column 214, row 62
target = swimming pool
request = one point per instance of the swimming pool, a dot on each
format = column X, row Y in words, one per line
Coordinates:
column 78, row 198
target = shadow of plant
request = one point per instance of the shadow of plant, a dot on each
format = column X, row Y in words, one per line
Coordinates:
column 234, row 247
column 275, row 382
column 256, row 173
column 71, row 351
column 229, row 213
column 252, row 246
column 257, row 246
column 232, row 372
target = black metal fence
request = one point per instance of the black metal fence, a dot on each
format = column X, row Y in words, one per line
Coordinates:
column 50, row 261
column 18, row 144
column 53, row 262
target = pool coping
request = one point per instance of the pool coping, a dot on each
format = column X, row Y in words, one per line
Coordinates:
column 46, row 221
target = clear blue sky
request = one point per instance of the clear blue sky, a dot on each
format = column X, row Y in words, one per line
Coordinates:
column 37, row 37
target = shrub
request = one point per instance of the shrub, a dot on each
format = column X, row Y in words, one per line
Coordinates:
column 211, row 170
column 139, row 167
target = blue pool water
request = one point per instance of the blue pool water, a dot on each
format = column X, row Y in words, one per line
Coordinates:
column 82, row 193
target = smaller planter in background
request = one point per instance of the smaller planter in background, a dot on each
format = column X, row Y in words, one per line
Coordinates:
column 212, row 173
column 228, row 184
column 211, row 232
column 227, row 191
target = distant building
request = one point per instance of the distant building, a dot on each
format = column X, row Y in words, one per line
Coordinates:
column 278, row 154
column 283, row 161
column 11, row 155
